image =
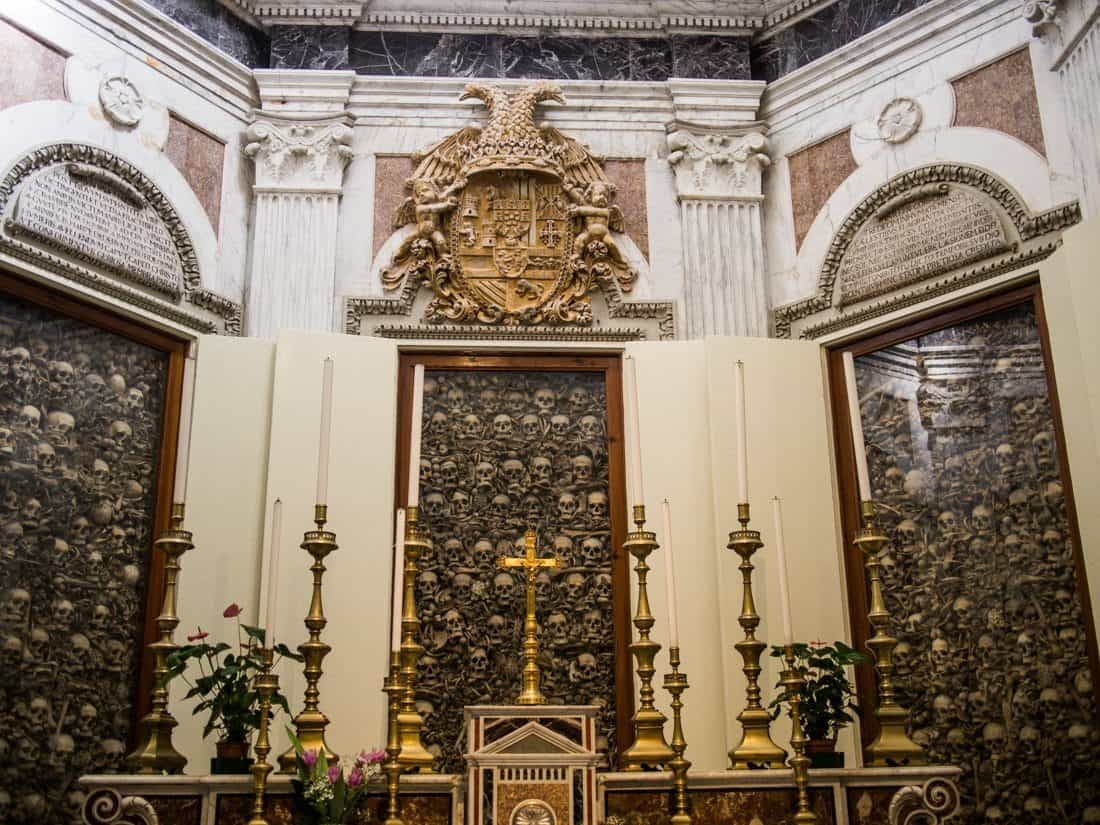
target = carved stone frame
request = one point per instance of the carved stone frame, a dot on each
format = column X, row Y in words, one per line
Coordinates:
column 1034, row 237
column 83, row 270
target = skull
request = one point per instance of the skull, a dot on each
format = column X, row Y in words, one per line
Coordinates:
column 460, row 503
column 462, row 585
column 993, row 735
column 62, row 746
column 557, row 627
column 597, row 505
column 455, row 553
column 484, row 555
column 590, row 427
column 895, row 480
column 45, row 457
column 120, row 433
column 585, row 668
column 101, row 472
column 471, row 427
column 962, row 608
column 559, row 425
column 425, row 472
column 11, row 652
column 541, row 471
column 29, row 418
column 1006, row 459
column 427, row 586
column 78, row 530
column 32, row 508
column 593, row 625
column 479, row 663
column 62, row 613
column 428, row 670
column 532, row 509
column 544, row 586
column 61, row 374
column 40, row 713
column 545, row 399
column 135, row 399
column 943, row 708
column 1018, row 503
column 515, row 401
column 947, row 523
column 1050, row 704
column 18, row 606
column 455, row 625
column 573, row 585
column 563, row 548
column 21, row 364
column 602, row 588
column 7, row 441
column 906, row 533
column 100, row 619
column 941, row 654
column 437, row 424
column 592, row 551
column 531, row 426
column 513, row 472
column 567, row 507
column 578, row 399
column 501, row 507
column 1021, row 414
column 434, row 505
column 1053, row 495
column 582, row 469
column 497, row 628
column 504, row 588
column 448, row 473
column 903, row 655
column 503, row 426
column 59, row 427
column 981, row 518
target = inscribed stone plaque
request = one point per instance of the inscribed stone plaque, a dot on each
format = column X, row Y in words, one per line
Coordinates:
column 88, row 212
column 919, row 239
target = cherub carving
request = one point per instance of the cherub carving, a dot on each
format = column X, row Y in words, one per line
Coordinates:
column 426, row 208
column 600, row 217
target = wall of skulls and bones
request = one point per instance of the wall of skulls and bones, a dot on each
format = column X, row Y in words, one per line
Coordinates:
column 80, row 422
column 981, row 578
column 502, row 452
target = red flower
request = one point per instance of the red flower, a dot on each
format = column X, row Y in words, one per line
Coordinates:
column 202, row 634
column 233, row 611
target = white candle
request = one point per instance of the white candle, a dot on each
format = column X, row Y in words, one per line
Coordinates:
column 273, row 572
column 416, row 433
column 857, row 427
column 398, row 579
column 183, row 445
column 784, row 585
column 742, row 436
column 326, row 432
column 670, row 579
column 633, row 431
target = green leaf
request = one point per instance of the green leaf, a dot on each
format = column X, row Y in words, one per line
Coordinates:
column 257, row 633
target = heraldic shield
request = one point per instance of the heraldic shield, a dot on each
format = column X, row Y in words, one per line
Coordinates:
column 512, row 222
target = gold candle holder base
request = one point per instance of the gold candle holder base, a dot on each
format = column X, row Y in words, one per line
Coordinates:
column 756, row 749
column 650, row 748
column 156, row 754
column 791, row 680
column 413, row 755
column 310, row 724
column 266, row 684
column 392, row 766
column 676, row 683
column 892, row 746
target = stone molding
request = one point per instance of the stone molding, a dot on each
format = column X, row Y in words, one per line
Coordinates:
column 699, row 103
column 312, row 92
column 1027, row 227
column 82, row 269
column 717, row 164
column 936, row 801
column 305, row 155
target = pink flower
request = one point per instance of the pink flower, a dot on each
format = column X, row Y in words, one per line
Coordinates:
column 373, row 757
column 355, row 778
column 309, row 758
column 334, row 773
column 233, row 611
column 198, row 636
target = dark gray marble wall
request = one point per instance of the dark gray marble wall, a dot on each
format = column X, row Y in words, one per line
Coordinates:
column 309, row 47
column 824, row 32
column 221, row 28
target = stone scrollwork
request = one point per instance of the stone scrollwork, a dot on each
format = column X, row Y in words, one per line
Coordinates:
column 107, row 807
column 296, row 154
column 512, row 222
column 936, row 801
column 717, row 164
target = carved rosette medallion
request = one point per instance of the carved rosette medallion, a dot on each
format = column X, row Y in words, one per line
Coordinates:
column 899, row 120
column 121, row 101
column 512, row 221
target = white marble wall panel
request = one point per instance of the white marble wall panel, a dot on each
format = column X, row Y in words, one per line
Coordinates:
column 1080, row 76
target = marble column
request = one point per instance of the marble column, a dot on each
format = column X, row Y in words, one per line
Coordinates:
column 718, row 181
column 300, row 152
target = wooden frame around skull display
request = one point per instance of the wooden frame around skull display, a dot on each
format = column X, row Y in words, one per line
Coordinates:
column 1028, row 296
column 609, row 367
column 176, row 350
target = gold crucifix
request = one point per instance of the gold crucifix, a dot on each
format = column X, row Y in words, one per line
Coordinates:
column 531, row 694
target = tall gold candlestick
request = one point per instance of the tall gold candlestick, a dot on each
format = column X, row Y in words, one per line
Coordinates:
column 650, row 749
column 892, row 746
column 676, row 683
column 310, row 724
column 413, row 755
column 756, row 749
column 392, row 766
column 156, row 754
column 266, row 684
column 791, row 680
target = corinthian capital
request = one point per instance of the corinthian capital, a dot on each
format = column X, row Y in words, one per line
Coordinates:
column 717, row 163
column 300, row 154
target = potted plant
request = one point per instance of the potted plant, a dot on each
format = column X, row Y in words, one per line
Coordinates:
column 224, row 688
column 323, row 792
column 827, row 697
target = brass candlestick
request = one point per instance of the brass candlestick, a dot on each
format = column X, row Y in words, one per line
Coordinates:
column 413, row 755
column 757, row 749
column 650, row 749
column 791, row 680
column 310, row 724
column 265, row 685
column 676, row 683
column 892, row 746
column 531, row 691
column 392, row 766
column 156, row 754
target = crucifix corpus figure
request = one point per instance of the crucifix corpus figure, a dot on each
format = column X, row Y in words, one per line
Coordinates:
column 531, row 693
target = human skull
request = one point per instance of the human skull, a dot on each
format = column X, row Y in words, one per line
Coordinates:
column 597, row 505
column 582, row 469
column 531, row 426
column 563, row 548
column 1006, row 458
column 427, row 586
column 45, row 457
column 460, row 503
column 497, row 628
column 593, row 625
column 592, row 553
column 462, row 586
column 541, row 471
column 1021, row 414
column 567, row 507
column 532, row 509
column 573, row 585
column 437, row 424
column 906, row 533
column 456, row 397
column 994, row 735
column 501, row 507
column 484, row 556
column 100, row 618
column 62, row 747
column 557, row 628
column 30, row 418
column 590, row 427
column 602, row 588
column 545, row 399
column 11, row 652
column 448, row 473
column 434, row 505
column 62, row 613
column 1019, row 504
column 78, row 530
column 59, row 427
column 135, row 399
column 559, row 425
column 503, row 426
column 120, row 433
column 471, row 427
column 515, row 401
column 947, row 523
column 981, row 518
column 7, row 441
column 20, row 363
column 584, row 669
column 425, row 472
column 944, row 709
column 504, row 588
column 1050, row 705
column 578, row 399
column 455, row 625
column 903, row 656
column 40, row 713
column 18, row 605
column 479, row 663
column 513, row 472
column 428, row 670
column 941, row 654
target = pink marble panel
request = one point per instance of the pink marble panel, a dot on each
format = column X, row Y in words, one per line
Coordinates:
column 630, row 194
column 390, row 174
column 199, row 158
column 1002, row 96
column 816, row 172
column 30, row 70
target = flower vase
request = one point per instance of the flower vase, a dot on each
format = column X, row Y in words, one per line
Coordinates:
column 823, row 753
column 232, row 757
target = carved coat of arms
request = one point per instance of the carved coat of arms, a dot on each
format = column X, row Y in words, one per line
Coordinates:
column 512, row 221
